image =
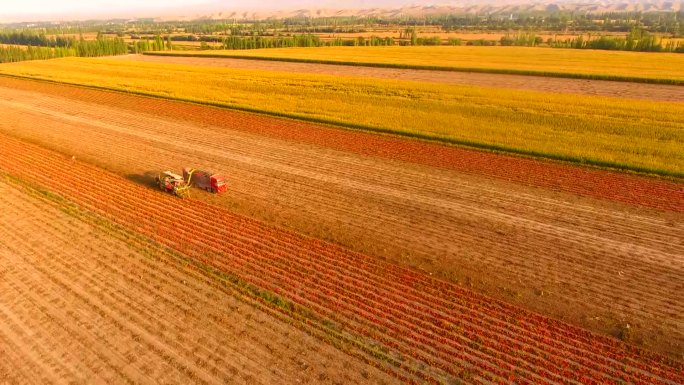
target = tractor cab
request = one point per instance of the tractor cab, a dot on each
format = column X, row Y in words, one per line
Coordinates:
column 171, row 183
column 172, row 180
column 172, row 176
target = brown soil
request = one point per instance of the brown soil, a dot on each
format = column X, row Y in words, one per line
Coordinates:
column 79, row 305
column 597, row 263
column 533, row 83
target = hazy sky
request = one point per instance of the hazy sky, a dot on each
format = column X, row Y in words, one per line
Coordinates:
column 38, row 9
column 48, row 10
column 30, row 10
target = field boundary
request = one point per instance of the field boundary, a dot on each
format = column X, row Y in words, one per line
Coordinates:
column 500, row 71
column 495, row 148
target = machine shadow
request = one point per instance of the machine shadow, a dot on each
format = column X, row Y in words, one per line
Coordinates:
column 146, row 179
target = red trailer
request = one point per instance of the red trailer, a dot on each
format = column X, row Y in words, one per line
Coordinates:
column 205, row 180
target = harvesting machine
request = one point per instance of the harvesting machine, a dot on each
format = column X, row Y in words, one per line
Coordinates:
column 180, row 185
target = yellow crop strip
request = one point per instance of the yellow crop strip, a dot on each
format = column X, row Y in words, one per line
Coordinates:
column 639, row 135
column 644, row 65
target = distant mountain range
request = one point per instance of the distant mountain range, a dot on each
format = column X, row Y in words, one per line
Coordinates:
column 279, row 9
column 394, row 9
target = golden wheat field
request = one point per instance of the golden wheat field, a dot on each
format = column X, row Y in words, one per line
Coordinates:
column 535, row 59
column 643, row 135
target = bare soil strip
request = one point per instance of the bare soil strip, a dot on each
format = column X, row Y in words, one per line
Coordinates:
column 594, row 262
column 661, row 92
column 78, row 305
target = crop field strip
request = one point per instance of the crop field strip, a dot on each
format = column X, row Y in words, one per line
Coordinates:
column 568, row 63
column 357, row 293
column 620, row 187
column 642, row 136
column 660, row 92
column 528, row 249
column 74, row 307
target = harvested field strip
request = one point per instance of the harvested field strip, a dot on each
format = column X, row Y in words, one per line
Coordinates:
column 316, row 275
column 569, row 63
column 624, row 134
column 83, row 309
column 660, row 92
column 660, row 194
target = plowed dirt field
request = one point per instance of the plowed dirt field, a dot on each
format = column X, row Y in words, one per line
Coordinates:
column 601, row 250
column 532, row 83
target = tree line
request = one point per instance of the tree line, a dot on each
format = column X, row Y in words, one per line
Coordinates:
column 23, row 46
column 305, row 40
column 33, row 47
column 156, row 44
column 310, row 40
column 9, row 54
column 637, row 40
